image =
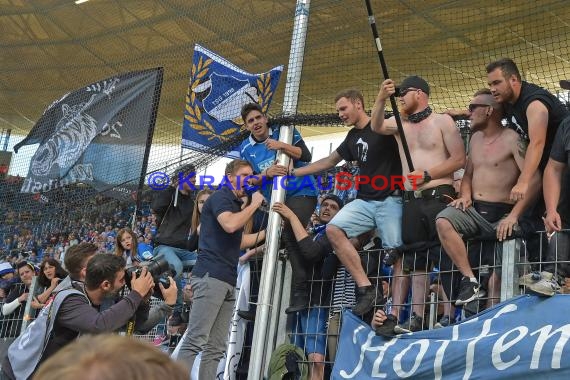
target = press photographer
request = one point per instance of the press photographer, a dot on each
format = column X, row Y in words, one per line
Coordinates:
column 158, row 268
column 76, row 310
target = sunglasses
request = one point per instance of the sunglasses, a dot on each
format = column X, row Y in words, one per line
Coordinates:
column 402, row 93
column 472, row 107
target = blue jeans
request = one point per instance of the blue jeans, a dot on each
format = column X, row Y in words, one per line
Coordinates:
column 178, row 258
column 360, row 216
column 310, row 330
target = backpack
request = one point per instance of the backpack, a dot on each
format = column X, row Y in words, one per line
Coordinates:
column 288, row 362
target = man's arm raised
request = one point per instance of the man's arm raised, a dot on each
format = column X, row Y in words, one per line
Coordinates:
column 378, row 123
column 321, row 165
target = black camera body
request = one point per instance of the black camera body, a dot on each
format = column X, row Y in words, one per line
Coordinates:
column 158, row 268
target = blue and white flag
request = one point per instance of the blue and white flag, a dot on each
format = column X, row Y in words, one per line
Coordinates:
column 523, row 338
column 97, row 135
column 218, row 90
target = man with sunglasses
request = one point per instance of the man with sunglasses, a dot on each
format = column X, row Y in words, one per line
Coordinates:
column 437, row 151
column 484, row 207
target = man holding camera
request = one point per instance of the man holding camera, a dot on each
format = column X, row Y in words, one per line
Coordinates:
column 76, row 310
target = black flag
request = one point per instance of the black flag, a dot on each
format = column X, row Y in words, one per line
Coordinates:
column 96, row 135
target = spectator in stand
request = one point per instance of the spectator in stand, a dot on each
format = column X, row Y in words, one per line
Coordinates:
column 484, row 208
column 15, row 303
column 51, row 273
column 129, row 248
column 174, row 207
column 7, row 278
column 201, row 198
column 311, row 324
column 437, row 151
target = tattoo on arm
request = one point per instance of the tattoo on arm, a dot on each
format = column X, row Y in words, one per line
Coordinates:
column 522, row 145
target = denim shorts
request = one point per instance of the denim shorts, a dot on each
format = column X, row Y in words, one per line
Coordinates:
column 310, row 330
column 360, row 216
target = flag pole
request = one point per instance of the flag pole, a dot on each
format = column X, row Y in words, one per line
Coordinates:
column 268, row 310
column 149, row 137
column 378, row 44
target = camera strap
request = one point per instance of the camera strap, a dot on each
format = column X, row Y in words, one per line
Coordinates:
column 131, row 325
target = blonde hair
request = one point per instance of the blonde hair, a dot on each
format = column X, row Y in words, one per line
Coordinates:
column 110, row 357
column 196, row 214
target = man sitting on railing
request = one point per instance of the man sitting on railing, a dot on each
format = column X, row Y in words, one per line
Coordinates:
column 484, row 208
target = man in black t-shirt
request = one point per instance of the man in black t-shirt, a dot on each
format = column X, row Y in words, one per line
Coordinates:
column 533, row 112
column 557, row 217
column 378, row 204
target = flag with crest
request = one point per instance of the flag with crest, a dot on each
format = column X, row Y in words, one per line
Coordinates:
column 218, row 89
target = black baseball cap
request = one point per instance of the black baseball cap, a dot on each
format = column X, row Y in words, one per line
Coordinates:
column 334, row 198
column 413, row 81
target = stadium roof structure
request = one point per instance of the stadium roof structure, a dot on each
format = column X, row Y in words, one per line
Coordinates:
column 50, row 47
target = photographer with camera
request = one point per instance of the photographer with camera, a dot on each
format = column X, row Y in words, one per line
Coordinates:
column 76, row 310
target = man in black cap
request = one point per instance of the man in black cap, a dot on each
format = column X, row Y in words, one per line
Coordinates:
column 437, row 151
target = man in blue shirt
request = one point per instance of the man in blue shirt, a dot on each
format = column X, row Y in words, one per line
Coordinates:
column 215, row 273
column 260, row 149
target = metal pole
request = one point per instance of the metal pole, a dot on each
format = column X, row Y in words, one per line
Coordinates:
column 372, row 22
column 28, row 309
column 261, row 343
column 509, row 269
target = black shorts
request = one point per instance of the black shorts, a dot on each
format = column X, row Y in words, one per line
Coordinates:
column 419, row 234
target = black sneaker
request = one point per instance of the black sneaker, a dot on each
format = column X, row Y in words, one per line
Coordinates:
column 365, row 298
column 414, row 323
column 175, row 320
column 443, row 322
column 248, row 315
column 299, row 302
column 468, row 291
column 392, row 255
column 387, row 328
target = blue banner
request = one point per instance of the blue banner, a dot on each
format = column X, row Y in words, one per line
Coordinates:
column 218, row 89
column 523, row 338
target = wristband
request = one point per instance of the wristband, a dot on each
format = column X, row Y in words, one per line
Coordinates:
column 293, row 172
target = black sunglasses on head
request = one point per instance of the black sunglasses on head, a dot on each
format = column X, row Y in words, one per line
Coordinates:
column 473, row 106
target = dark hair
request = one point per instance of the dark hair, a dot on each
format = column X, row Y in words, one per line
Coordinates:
column 59, row 271
column 233, row 166
column 76, row 258
column 246, row 109
column 508, row 67
column 492, row 102
column 22, row 264
column 101, row 268
column 184, row 169
column 351, row 94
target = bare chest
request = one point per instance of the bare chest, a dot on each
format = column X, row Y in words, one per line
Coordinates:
column 423, row 136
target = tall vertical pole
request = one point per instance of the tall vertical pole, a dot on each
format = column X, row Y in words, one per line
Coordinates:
column 262, row 343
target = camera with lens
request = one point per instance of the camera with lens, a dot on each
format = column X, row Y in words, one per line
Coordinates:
column 158, row 268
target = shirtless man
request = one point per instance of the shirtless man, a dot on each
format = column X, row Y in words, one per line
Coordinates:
column 437, row 151
column 484, row 206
